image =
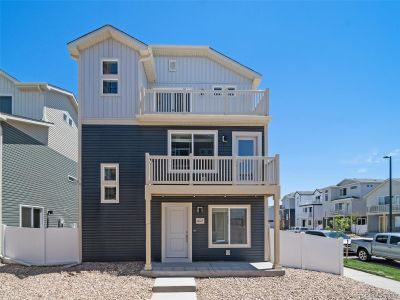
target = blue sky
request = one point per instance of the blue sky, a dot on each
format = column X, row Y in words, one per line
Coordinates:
column 333, row 68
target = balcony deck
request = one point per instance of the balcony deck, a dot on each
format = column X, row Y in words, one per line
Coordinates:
column 383, row 208
column 212, row 175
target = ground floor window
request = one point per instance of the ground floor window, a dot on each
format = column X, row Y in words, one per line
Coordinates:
column 361, row 221
column 31, row 217
column 397, row 221
column 229, row 226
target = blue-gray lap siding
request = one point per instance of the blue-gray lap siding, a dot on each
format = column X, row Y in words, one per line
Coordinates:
column 112, row 232
column 36, row 175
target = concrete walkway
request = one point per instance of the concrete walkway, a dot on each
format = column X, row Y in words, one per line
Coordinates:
column 178, row 288
column 373, row 280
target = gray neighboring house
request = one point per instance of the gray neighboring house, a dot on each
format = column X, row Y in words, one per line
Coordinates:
column 174, row 163
column 347, row 198
column 39, row 152
column 288, row 211
column 378, row 207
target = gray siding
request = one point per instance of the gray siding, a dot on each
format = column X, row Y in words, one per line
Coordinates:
column 197, row 73
column 34, row 174
column 200, row 250
column 117, row 231
column 62, row 137
column 93, row 104
column 25, row 103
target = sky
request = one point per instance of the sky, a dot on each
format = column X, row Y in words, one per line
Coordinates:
column 333, row 68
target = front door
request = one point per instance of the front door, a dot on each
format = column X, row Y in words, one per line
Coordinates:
column 176, row 232
column 382, row 223
column 246, row 145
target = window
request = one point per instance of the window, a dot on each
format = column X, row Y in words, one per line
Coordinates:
column 199, row 143
column 6, row 104
column 309, row 222
column 383, row 200
column 72, row 178
column 31, row 216
column 394, row 240
column 326, row 196
column 317, row 197
column 343, row 192
column 397, row 221
column 230, row 91
column 68, row 119
column 109, row 76
column 109, row 183
column 353, row 187
column 396, row 200
column 361, row 221
column 381, row 239
column 172, row 65
column 338, row 206
column 229, row 226
column 218, row 90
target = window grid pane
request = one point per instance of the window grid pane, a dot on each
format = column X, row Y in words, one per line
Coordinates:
column 110, row 67
column 110, row 174
column 220, row 226
column 110, row 193
column 26, row 217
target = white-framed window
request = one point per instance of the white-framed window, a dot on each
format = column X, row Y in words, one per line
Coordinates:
column 109, row 183
column 343, row 192
column 229, row 226
column 219, row 90
column 6, row 104
column 196, row 142
column 353, row 187
column 231, row 90
column 67, row 119
column 109, row 77
column 31, row 216
column 361, row 221
column 397, row 221
column 172, row 65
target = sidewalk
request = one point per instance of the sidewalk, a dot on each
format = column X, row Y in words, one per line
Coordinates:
column 373, row 280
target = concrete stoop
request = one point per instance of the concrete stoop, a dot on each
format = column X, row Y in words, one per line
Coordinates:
column 174, row 288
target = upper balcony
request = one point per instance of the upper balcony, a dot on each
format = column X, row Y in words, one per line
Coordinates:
column 383, row 208
column 233, row 104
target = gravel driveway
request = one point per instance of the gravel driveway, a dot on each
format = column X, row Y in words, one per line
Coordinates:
column 122, row 281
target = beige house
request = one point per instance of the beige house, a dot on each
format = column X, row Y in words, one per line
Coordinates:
column 378, row 207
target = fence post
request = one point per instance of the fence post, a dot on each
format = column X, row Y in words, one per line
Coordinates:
column 302, row 242
column 191, row 168
column 147, row 160
column 234, row 171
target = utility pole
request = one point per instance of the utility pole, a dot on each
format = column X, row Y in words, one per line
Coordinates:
column 390, row 193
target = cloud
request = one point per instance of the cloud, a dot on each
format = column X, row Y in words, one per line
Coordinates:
column 372, row 157
column 395, row 152
column 362, row 171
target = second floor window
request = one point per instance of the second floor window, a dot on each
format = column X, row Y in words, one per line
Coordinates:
column 109, row 80
column 6, row 104
column 343, row 192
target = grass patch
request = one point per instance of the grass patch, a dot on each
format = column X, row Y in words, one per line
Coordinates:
column 374, row 268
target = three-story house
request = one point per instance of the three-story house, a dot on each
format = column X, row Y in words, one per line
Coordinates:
column 174, row 163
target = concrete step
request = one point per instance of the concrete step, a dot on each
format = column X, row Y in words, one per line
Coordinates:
column 174, row 285
column 174, row 296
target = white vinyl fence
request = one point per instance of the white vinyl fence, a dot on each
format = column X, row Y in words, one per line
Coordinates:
column 41, row 246
column 308, row 252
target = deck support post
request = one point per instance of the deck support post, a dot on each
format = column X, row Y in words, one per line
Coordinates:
column 147, row 266
column 277, row 246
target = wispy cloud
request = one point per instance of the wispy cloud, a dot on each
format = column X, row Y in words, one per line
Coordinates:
column 372, row 157
column 395, row 152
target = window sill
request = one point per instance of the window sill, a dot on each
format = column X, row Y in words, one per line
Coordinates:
column 229, row 246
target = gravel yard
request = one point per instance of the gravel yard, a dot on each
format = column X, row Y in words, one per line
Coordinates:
column 122, row 281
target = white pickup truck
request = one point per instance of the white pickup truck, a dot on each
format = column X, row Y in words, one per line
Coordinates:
column 386, row 245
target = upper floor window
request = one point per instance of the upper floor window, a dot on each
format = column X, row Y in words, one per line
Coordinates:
column 219, row 90
column 109, row 78
column 198, row 143
column 31, row 216
column 353, row 187
column 68, row 119
column 6, row 104
column 172, row 65
column 343, row 192
column 109, row 183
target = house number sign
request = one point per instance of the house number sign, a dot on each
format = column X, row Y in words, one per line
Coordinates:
column 199, row 220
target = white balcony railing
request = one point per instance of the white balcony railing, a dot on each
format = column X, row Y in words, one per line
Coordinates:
column 184, row 101
column 342, row 212
column 223, row 170
column 384, row 208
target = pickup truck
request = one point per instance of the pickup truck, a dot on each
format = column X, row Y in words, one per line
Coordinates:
column 386, row 245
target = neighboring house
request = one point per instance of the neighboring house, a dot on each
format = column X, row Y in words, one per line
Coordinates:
column 39, row 153
column 378, row 207
column 347, row 199
column 308, row 209
column 174, row 157
column 288, row 211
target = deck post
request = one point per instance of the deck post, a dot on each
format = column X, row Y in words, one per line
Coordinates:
column 147, row 266
column 277, row 246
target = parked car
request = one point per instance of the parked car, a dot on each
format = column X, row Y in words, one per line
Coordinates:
column 386, row 245
column 333, row 235
column 298, row 229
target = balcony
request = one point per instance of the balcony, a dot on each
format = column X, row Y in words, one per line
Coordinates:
column 204, row 102
column 250, row 175
column 340, row 212
column 384, row 208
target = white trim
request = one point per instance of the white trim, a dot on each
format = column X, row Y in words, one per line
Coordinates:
column 164, row 205
column 109, row 183
column 246, row 134
column 31, row 207
column 192, row 132
column 5, row 118
column 229, row 206
column 12, row 100
column 109, row 77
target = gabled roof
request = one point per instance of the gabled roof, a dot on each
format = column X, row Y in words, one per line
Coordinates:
column 305, row 192
column 347, row 181
column 147, row 52
column 40, row 86
column 396, row 180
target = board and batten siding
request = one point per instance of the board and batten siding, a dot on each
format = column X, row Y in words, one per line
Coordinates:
column 197, row 73
column 93, row 104
column 116, row 232
column 24, row 103
column 62, row 137
column 36, row 175
column 200, row 250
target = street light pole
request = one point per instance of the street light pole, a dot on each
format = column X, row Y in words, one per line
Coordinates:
column 390, row 192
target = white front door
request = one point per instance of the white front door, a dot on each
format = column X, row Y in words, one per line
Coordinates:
column 176, row 232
